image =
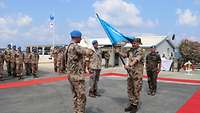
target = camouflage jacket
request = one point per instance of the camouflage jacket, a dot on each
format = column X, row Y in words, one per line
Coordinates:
column 107, row 56
column 34, row 58
column 7, row 55
column 1, row 58
column 13, row 56
column 54, row 54
column 152, row 61
column 75, row 61
column 96, row 59
column 27, row 58
column 60, row 57
column 19, row 57
column 135, row 55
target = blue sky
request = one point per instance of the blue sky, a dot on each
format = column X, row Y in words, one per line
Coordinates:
column 24, row 22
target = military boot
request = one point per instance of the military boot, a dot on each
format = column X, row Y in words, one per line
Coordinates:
column 134, row 109
column 129, row 108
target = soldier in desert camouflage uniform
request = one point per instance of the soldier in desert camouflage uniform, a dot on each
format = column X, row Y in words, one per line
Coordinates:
column 13, row 61
column 153, row 66
column 54, row 54
column 19, row 63
column 27, row 62
column 7, row 56
column 135, row 71
column 75, row 55
column 34, row 62
column 60, row 61
column 1, row 64
column 95, row 69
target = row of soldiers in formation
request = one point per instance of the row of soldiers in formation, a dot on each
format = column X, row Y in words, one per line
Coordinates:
column 15, row 60
column 75, row 55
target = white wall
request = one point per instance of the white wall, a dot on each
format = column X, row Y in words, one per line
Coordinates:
column 165, row 48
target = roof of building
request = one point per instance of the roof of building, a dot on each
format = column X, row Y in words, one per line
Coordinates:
column 147, row 40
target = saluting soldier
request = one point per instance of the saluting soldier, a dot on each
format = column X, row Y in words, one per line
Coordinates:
column 34, row 62
column 27, row 62
column 75, row 55
column 1, row 64
column 107, row 57
column 135, row 74
column 54, row 54
column 13, row 61
column 19, row 63
column 7, row 56
column 59, row 61
column 153, row 66
column 95, row 69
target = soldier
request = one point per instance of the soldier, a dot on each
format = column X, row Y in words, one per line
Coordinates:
column 27, row 62
column 135, row 71
column 55, row 57
column 153, row 66
column 7, row 56
column 107, row 57
column 95, row 69
column 75, row 55
column 59, row 61
column 34, row 62
column 19, row 63
column 1, row 64
column 13, row 61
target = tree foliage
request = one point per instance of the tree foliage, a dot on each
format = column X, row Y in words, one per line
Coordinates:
column 190, row 50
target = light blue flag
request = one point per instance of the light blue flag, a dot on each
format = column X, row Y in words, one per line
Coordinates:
column 115, row 36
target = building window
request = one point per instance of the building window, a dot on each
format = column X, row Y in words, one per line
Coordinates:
column 47, row 50
column 40, row 50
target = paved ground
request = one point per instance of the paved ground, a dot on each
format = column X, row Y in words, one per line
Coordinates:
column 56, row 97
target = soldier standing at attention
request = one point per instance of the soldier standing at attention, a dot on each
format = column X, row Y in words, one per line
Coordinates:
column 153, row 66
column 7, row 55
column 27, row 62
column 19, row 63
column 1, row 65
column 13, row 61
column 59, row 61
column 75, row 56
column 135, row 74
column 95, row 69
column 107, row 57
column 55, row 57
column 34, row 62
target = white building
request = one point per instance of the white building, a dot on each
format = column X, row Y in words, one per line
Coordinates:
column 163, row 45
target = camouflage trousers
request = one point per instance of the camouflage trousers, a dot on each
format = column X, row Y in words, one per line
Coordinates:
column 34, row 69
column 60, row 67
column 134, row 87
column 55, row 65
column 152, row 80
column 13, row 69
column 79, row 97
column 19, row 69
column 1, row 69
column 8, row 64
column 94, row 78
column 28, row 68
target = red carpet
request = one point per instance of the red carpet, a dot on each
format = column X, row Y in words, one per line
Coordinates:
column 31, row 82
column 59, row 78
column 159, row 78
column 192, row 105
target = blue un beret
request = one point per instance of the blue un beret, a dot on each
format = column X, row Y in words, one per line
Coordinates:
column 94, row 42
column 76, row 33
